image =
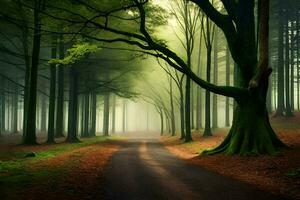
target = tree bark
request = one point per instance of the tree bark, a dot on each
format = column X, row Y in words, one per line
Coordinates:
column 288, row 110
column 251, row 132
column 86, row 121
column 280, row 67
column 93, row 114
column 51, row 118
column 15, row 110
column 113, row 115
column 60, row 94
column 215, row 81
column 73, row 101
column 2, row 112
column 173, row 131
column 161, row 122
column 227, row 116
column 188, row 133
column 182, row 117
column 29, row 136
column 207, row 128
column 106, row 114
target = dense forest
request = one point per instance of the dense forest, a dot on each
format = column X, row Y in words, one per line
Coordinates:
column 74, row 70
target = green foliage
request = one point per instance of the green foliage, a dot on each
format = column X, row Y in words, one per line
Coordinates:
column 76, row 54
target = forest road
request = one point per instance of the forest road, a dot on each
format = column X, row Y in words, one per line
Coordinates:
column 143, row 169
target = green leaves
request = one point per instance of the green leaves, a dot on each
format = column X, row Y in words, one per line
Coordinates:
column 76, row 54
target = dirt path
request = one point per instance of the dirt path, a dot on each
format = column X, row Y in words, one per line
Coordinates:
column 144, row 169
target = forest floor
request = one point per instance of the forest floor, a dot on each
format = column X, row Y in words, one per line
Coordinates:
column 58, row 171
column 279, row 174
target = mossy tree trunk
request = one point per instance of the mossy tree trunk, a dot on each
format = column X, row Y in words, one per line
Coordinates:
column 251, row 132
column 238, row 26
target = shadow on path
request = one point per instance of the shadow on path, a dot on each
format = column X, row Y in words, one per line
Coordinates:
column 143, row 169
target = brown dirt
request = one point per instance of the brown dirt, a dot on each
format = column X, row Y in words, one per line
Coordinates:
column 83, row 173
column 73, row 175
column 266, row 172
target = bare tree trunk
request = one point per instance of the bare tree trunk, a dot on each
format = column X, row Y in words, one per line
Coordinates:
column 227, row 116
column 60, row 94
column 113, row 115
column 215, row 81
column 73, row 101
column 51, row 118
column 106, row 114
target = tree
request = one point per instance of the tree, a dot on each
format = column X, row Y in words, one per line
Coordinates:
column 209, row 35
column 29, row 136
column 187, row 17
column 51, row 118
column 280, row 67
column 60, row 92
column 227, row 123
column 106, row 114
column 251, row 132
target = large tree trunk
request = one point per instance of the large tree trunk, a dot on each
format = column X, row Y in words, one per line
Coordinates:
column 280, row 67
column 51, row 118
column 29, row 136
column 251, row 132
column 73, row 101
column 60, row 94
